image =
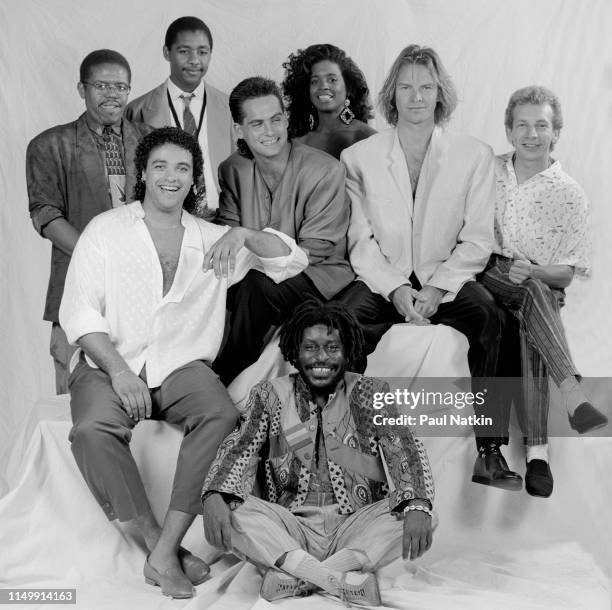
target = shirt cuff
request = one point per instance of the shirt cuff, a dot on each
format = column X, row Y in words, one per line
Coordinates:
column 279, row 268
column 83, row 323
column 43, row 215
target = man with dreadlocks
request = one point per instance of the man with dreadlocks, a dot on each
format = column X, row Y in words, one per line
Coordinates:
column 327, row 518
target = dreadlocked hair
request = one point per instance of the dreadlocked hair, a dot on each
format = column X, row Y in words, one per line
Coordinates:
column 333, row 315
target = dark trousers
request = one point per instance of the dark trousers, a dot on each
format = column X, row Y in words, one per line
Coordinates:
column 192, row 397
column 256, row 305
column 473, row 312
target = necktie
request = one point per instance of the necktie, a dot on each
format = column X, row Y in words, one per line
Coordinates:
column 112, row 153
column 189, row 124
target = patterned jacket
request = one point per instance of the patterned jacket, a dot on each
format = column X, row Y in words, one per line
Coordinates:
column 278, row 432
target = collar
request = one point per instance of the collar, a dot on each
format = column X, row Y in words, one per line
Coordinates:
column 97, row 128
column 137, row 212
column 175, row 92
column 551, row 172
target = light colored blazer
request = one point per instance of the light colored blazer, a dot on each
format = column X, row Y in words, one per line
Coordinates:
column 152, row 108
column 445, row 235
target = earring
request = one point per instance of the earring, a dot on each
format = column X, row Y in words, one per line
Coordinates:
column 311, row 122
column 347, row 115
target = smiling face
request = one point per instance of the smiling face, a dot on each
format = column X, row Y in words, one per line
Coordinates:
column 327, row 87
column 532, row 133
column 321, row 359
column 105, row 107
column 189, row 57
column 263, row 126
column 416, row 95
column 168, row 178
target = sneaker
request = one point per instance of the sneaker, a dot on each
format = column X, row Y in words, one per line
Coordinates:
column 360, row 588
column 278, row 585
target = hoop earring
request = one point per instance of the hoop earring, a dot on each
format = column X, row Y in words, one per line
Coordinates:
column 347, row 115
column 311, row 121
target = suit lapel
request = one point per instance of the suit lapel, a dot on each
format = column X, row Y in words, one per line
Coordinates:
column 92, row 167
column 399, row 171
column 158, row 111
column 430, row 172
column 216, row 127
column 130, row 142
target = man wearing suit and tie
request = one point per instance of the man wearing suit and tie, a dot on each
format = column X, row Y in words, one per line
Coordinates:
column 78, row 170
column 185, row 100
column 421, row 228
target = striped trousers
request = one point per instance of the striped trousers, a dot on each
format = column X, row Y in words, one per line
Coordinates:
column 543, row 346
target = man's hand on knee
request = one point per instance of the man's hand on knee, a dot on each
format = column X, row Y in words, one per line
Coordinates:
column 134, row 394
column 418, row 534
column 218, row 521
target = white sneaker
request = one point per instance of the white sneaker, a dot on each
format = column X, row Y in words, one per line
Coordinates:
column 359, row 588
column 278, row 585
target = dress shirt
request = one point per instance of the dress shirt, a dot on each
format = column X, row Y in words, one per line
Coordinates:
column 114, row 286
column 545, row 219
column 195, row 105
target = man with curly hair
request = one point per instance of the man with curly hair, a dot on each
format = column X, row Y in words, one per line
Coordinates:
column 274, row 182
column 328, row 453
column 78, row 170
column 145, row 303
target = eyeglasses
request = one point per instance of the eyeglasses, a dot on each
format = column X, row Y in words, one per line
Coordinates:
column 104, row 87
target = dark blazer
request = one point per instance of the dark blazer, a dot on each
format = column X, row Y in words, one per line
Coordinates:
column 66, row 178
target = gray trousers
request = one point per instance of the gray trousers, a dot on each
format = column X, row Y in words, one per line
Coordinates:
column 266, row 531
column 61, row 352
column 191, row 397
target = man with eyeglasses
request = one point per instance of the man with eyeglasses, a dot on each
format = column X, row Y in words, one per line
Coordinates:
column 78, row 170
column 184, row 100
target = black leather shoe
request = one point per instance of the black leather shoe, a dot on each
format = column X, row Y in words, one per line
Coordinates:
column 538, row 479
column 586, row 418
column 491, row 468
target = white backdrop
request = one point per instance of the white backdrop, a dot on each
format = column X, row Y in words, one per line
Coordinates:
column 490, row 47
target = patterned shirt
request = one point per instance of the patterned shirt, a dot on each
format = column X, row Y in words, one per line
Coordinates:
column 545, row 219
column 277, row 441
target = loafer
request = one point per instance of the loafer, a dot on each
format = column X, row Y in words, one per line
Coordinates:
column 538, row 479
column 586, row 418
column 196, row 570
column 278, row 585
column 491, row 469
column 172, row 581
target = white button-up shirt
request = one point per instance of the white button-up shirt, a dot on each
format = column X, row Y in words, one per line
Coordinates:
column 114, row 285
column 195, row 105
